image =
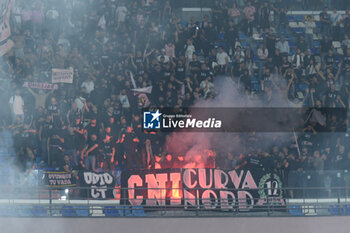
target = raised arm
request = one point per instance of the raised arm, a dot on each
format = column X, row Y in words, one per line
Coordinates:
column 31, row 91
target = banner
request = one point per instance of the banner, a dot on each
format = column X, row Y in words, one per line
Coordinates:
column 43, row 86
column 62, row 75
column 5, row 30
column 97, row 185
column 210, row 189
column 142, row 98
column 132, row 79
column 59, row 179
column 147, row 90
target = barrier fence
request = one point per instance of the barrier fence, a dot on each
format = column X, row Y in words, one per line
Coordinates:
column 179, row 193
column 61, row 203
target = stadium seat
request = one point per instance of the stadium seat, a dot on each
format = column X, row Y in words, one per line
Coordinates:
column 3, row 151
column 111, row 211
column 299, row 18
column 82, row 211
column 302, row 86
column 334, row 209
column 127, row 211
column 68, row 211
column 255, row 83
column 138, row 211
column 293, row 24
column 318, row 24
column 336, row 44
column 316, row 44
column 301, row 24
column 25, row 211
column 221, row 36
column 295, row 210
column 290, row 18
column 39, row 211
column 346, row 209
column 7, row 211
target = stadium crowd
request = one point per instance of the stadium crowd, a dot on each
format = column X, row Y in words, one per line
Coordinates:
column 119, row 49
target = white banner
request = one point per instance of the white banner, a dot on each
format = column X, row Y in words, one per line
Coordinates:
column 38, row 85
column 147, row 90
column 5, row 30
column 62, row 75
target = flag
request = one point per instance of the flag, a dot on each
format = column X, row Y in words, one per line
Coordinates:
column 132, row 80
column 143, row 101
column 142, row 98
column 183, row 91
column 5, row 28
column 102, row 22
column 147, row 90
column 317, row 117
column 62, row 75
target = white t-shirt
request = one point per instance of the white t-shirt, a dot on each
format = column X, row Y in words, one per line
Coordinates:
column 124, row 101
column 335, row 17
column 166, row 58
column 206, row 88
column 89, row 86
column 309, row 27
column 121, row 13
column 283, row 47
column 79, row 102
column 221, row 58
column 16, row 103
column 189, row 51
column 52, row 14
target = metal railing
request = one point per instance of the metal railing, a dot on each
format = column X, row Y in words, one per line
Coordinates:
column 65, row 203
column 306, row 193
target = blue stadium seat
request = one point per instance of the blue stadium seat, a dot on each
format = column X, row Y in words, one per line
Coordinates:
column 302, row 86
column 299, row 18
column 295, row 210
column 127, row 211
column 25, row 211
column 334, row 209
column 6, row 133
column 120, row 210
column 290, row 18
column 11, row 151
column 8, row 211
column 110, row 211
column 68, row 211
column 244, row 44
column 82, row 211
column 255, row 83
column 3, row 151
column 138, row 211
column 39, row 211
column 346, row 209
